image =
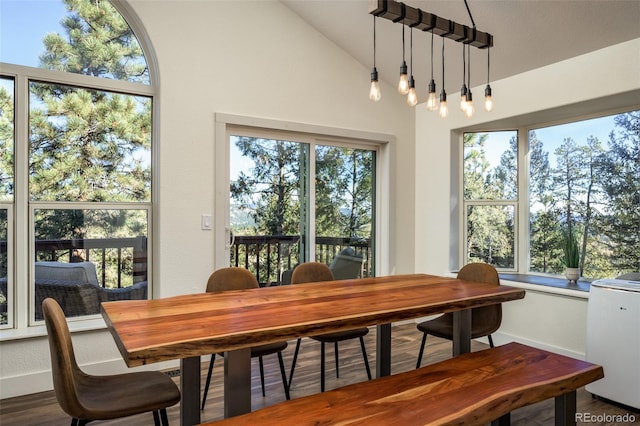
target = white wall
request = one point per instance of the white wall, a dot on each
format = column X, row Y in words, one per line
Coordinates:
column 258, row 59
column 611, row 75
column 255, row 59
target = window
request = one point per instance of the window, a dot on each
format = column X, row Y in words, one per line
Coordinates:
column 7, row 184
column 583, row 175
column 81, row 162
column 296, row 198
column 490, row 197
column 586, row 175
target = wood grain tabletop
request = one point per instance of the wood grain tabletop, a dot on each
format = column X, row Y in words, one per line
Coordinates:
column 148, row 331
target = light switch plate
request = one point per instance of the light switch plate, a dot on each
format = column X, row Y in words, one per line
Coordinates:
column 207, row 222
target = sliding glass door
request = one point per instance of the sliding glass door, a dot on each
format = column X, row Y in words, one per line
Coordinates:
column 296, row 199
column 345, row 206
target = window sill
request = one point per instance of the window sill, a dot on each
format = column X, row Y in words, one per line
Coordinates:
column 76, row 325
column 549, row 284
column 581, row 285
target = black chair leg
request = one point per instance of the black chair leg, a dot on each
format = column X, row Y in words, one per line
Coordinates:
column 364, row 355
column 163, row 416
column 321, row 366
column 424, row 341
column 156, row 418
column 293, row 363
column 335, row 355
column 284, row 376
column 206, row 386
column 79, row 422
column 502, row 421
column 261, row 375
column 490, row 341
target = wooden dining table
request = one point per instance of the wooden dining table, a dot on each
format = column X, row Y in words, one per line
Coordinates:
column 186, row 327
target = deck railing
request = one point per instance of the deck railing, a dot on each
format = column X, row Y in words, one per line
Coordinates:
column 122, row 261
column 119, row 261
column 269, row 256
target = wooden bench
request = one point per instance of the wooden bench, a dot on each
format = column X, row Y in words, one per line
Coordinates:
column 471, row 389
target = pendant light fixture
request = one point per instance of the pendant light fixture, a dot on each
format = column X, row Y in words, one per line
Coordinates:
column 444, row 109
column 403, row 83
column 488, row 100
column 463, row 89
column 432, row 100
column 469, row 110
column 412, row 98
column 374, row 90
column 398, row 12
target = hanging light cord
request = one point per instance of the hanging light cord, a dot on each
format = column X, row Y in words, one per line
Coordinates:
column 411, row 51
column 469, row 68
column 403, row 44
column 488, row 62
column 464, row 64
column 374, row 41
column 442, row 63
column 431, row 53
column 469, row 12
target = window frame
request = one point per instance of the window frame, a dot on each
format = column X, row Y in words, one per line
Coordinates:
column 499, row 203
column 515, row 202
column 20, row 300
column 525, row 126
column 312, row 142
column 8, row 206
column 228, row 124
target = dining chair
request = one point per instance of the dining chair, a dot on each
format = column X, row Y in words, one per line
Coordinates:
column 86, row 398
column 484, row 320
column 234, row 278
column 314, row 272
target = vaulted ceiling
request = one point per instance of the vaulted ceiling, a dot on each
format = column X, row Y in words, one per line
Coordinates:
column 528, row 34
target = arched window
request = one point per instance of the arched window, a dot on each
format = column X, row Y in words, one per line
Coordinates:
column 76, row 140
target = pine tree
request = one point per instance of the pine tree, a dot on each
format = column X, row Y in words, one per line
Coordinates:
column 271, row 192
column 89, row 145
column 98, row 43
column 6, row 145
column 545, row 232
column 621, row 184
column 490, row 228
column 344, row 192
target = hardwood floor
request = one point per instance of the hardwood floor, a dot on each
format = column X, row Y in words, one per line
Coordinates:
column 42, row 408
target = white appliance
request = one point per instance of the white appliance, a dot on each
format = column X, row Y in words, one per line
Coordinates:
column 613, row 339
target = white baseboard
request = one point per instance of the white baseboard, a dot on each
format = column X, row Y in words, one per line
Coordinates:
column 42, row 381
column 25, row 384
column 503, row 338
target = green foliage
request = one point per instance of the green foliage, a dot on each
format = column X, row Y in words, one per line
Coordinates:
column 85, row 144
column 570, row 249
column 592, row 188
column 272, row 193
column 490, row 228
column 274, row 190
column 6, row 144
column 98, row 43
column 89, row 145
column 620, row 180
